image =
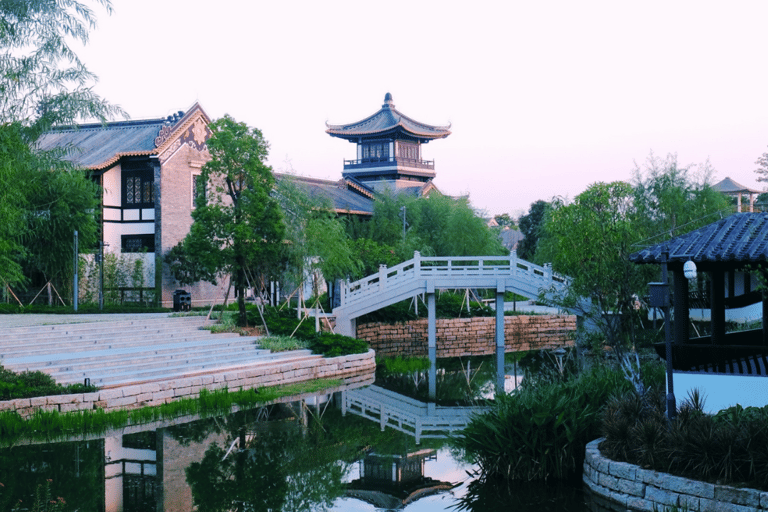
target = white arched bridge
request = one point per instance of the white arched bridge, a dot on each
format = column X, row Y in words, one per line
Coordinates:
column 425, row 275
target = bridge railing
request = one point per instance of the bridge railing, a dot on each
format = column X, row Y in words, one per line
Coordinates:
column 447, row 268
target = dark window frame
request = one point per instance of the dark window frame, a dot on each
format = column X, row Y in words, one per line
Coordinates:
column 137, row 243
column 138, row 178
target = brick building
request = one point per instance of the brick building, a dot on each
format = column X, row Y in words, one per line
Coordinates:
column 147, row 170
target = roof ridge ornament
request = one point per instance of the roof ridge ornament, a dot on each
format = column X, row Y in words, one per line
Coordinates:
column 388, row 103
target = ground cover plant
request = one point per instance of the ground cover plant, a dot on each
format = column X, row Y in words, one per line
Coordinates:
column 30, row 384
column 729, row 447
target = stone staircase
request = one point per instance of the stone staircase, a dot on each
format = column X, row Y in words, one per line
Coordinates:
column 119, row 353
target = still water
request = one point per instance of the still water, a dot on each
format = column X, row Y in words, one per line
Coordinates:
column 296, row 456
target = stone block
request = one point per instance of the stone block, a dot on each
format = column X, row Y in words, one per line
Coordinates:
column 631, row 487
column 707, row 505
column 110, row 394
column 622, row 470
column 38, row 401
column 661, row 496
column 608, row 481
column 640, row 504
column 748, row 497
column 690, row 503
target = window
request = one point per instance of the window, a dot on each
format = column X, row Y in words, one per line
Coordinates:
column 138, row 188
column 138, row 243
column 376, row 151
column 198, row 188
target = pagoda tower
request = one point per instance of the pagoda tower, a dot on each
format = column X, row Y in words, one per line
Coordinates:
column 389, row 149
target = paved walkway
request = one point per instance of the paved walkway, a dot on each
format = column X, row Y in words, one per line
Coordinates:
column 30, row 319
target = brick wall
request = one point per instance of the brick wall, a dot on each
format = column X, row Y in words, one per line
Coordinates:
column 469, row 336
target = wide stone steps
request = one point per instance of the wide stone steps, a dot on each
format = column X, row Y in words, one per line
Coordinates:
column 131, row 351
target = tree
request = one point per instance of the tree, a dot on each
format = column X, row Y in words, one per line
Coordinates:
column 589, row 240
column 504, row 220
column 238, row 227
column 435, row 225
column 762, row 167
column 317, row 243
column 531, row 224
column 42, row 81
column 672, row 200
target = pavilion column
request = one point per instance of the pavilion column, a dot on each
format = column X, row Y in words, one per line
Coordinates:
column 717, row 306
column 682, row 311
column 500, row 348
column 432, row 340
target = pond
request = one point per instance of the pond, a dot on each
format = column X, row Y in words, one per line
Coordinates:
column 295, row 456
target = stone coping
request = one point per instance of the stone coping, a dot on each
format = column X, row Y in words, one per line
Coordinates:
column 630, row 488
column 157, row 393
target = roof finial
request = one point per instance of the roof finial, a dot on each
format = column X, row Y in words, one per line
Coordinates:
column 388, row 101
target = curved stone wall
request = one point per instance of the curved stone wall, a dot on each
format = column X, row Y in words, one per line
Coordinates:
column 630, row 487
column 350, row 368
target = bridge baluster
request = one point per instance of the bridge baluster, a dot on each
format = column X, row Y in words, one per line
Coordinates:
column 382, row 277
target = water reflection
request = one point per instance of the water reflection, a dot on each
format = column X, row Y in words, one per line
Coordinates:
column 303, row 455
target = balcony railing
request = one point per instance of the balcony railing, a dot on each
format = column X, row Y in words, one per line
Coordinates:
column 387, row 161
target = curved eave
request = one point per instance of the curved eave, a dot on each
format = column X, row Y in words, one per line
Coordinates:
column 116, row 158
column 387, row 121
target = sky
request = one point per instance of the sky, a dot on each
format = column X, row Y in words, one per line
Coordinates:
column 544, row 98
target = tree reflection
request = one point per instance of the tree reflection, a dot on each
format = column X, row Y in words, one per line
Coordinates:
column 281, row 467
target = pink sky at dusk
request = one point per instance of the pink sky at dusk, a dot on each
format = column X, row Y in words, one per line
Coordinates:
column 544, row 98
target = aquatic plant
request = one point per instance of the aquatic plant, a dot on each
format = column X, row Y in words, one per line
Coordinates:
column 52, row 424
column 541, row 431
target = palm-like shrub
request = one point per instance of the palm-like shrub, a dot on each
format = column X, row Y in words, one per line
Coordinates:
column 541, row 431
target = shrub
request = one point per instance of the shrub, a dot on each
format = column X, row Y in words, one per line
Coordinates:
column 333, row 345
column 731, row 446
column 31, row 384
column 541, row 431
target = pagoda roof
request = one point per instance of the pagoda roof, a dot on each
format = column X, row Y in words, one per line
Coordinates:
column 98, row 146
column 738, row 238
column 386, row 122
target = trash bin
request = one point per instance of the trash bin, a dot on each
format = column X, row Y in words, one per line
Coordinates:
column 182, row 300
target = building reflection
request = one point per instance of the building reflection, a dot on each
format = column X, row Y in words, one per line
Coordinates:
column 394, row 481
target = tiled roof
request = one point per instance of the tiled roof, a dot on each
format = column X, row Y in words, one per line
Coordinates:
column 98, row 146
column 386, row 121
column 738, row 238
column 728, row 186
column 345, row 198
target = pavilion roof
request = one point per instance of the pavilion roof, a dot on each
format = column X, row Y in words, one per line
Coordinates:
column 728, row 186
column 387, row 121
column 346, row 196
column 738, row 238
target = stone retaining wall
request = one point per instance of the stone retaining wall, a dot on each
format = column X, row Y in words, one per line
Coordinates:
column 469, row 336
column 156, row 393
column 629, row 487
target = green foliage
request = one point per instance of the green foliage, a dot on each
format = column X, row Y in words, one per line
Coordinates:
column 334, row 345
column 447, row 305
column 238, row 227
column 318, row 244
column 282, row 343
column 52, row 424
column 42, row 81
column 531, row 225
column 437, row 225
column 540, row 432
column 120, row 271
column 31, row 384
column 729, row 447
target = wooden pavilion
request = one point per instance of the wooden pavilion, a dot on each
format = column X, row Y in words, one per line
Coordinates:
column 731, row 258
